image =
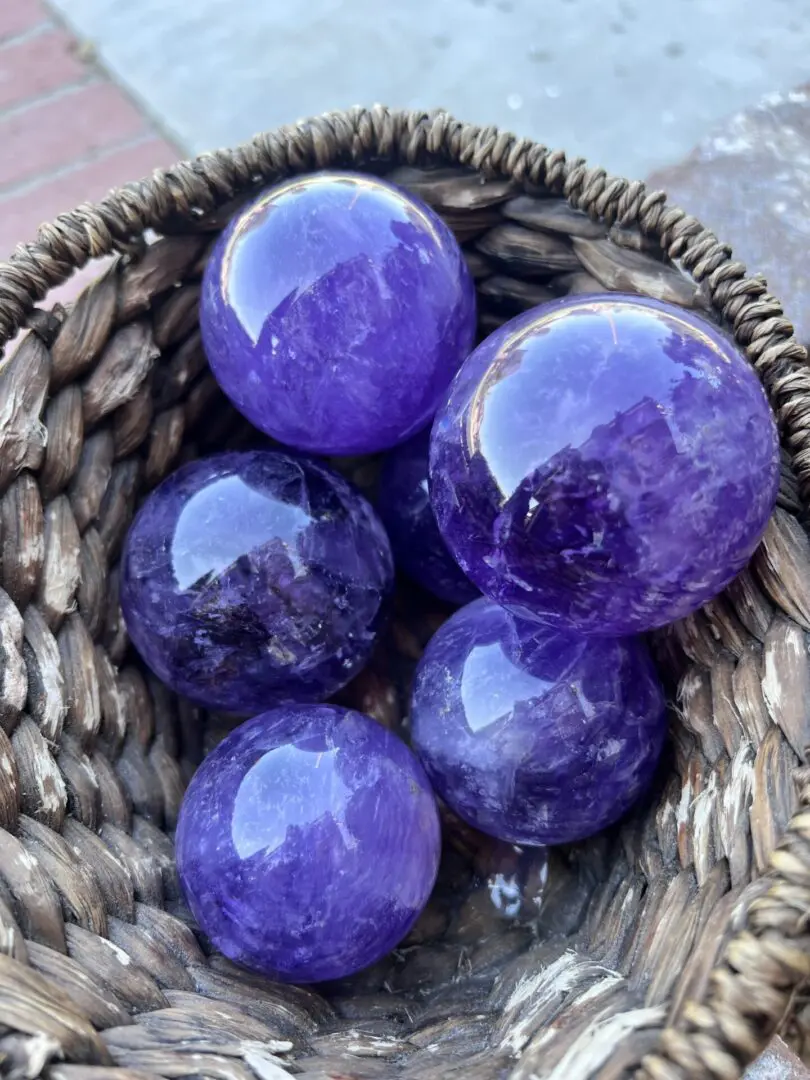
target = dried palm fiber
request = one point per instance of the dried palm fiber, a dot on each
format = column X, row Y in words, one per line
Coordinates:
column 670, row 948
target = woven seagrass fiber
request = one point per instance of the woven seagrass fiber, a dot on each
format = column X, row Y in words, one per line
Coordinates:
column 669, row 949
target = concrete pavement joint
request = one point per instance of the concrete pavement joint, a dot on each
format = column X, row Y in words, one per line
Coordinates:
column 160, row 123
column 614, row 80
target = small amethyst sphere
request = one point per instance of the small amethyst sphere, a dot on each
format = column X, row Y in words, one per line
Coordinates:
column 308, row 843
column 253, row 579
column 535, row 735
column 605, row 463
column 405, row 509
column 335, row 311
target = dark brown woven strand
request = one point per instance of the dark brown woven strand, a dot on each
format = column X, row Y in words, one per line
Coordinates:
column 660, row 943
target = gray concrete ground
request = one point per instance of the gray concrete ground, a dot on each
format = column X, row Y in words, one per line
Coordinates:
column 630, row 84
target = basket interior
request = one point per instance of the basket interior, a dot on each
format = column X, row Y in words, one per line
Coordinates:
column 515, row 969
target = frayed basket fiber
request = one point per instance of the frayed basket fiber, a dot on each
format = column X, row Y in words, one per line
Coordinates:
column 669, row 949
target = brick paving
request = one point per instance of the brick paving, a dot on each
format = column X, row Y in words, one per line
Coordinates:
column 68, row 133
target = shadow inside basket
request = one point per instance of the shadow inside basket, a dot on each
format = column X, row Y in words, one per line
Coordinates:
column 518, row 966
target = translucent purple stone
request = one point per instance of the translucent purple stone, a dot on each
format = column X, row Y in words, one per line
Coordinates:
column 308, row 843
column 404, row 506
column 252, row 579
column 334, row 312
column 605, row 463
column 535, row 735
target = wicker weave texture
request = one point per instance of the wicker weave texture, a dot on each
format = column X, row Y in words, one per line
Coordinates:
column 670, row 949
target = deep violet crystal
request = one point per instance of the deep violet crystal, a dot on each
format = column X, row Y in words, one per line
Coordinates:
column 605, row 463
column 335, row 310
column 405, row 509
column 308, row 843
column 532, row 734
column 252, row 579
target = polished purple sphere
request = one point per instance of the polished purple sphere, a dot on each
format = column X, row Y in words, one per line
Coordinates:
column 335, row 311
column 254, row 579
column 605, row 463
column 308, row 843
column 404, row 506
column 535, row 735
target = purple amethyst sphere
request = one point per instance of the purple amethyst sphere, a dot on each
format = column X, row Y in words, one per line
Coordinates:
column 335, row 311
column 308, row 843
column 404, row 506
column 253, row 579
column 535, row 735
column 605, row 463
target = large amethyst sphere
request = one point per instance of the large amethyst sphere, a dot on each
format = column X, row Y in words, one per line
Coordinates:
column 605, row 463
column 252, row 579
column 531, row 734
column 308, row 843
column 406, row 512
column 335, row 311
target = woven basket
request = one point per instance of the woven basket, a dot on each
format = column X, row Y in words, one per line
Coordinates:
column 672, row 947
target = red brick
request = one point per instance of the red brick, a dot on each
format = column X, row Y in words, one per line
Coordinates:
column 37, row 66
column 57, row 133
column 22, row 214
column 16, row 16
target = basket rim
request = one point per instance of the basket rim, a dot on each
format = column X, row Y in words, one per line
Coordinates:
column 751, row 988
column 358, row 136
